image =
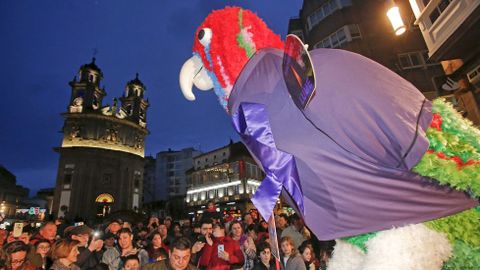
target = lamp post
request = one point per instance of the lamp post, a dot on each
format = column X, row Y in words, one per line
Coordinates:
column 393, row 14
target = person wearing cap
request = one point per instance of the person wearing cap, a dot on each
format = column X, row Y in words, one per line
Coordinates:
column 90, row 254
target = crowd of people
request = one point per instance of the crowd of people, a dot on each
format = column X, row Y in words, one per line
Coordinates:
column 214, row 242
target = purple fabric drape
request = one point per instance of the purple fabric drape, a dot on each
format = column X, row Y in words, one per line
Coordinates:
column 251, row 122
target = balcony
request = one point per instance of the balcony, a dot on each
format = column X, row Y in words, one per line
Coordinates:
column 449, row 27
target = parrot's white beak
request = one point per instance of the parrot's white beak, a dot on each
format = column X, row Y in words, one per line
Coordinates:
column 194, row 73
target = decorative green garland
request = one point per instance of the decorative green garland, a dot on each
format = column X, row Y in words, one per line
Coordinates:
column 456, row 146
column 464, row 226
column 453, row 123
column 446, row 172
column 360, row 240
column 464, row 258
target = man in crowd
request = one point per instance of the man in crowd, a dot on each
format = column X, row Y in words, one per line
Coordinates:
column 113, row 257
column 206, row 230
column 114, row 227
column 297, row 230
column 247, row 221
column 48, row 231
column 179, row 258
column 281, row 222
column 90, row 254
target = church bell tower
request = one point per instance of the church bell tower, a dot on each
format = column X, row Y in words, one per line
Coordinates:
column 102, row 152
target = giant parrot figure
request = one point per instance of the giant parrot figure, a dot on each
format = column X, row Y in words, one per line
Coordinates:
column 394, row 177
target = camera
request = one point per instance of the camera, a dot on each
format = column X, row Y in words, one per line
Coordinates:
column 201, row 238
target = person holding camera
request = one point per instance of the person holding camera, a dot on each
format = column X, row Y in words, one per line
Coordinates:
column 221, row 252
column 89, row 247
column 206, row 229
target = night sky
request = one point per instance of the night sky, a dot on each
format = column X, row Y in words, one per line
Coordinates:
column 44, row 43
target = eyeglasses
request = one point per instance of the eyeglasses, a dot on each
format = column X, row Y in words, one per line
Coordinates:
column 18, row 261
column 44, row 247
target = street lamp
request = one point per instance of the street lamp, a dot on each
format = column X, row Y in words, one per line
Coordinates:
column 393, row 14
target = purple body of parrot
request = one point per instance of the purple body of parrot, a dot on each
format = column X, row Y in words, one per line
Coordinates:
column 353, row 146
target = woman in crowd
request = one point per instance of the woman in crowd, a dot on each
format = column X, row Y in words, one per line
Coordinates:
column 290, row 259
column 42, row 247
column 155, row 244
column 306, row 251
column 15, row 256
column 64, row 254
column 246, row 243
column 265, row 259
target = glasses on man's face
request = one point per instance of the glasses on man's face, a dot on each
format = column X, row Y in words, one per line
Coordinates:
column 18, row 261
column 44, row 247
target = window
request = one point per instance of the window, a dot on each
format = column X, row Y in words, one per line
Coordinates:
column 340, row 37
column 171, row 173
column 325, row 10
column 354, row 31
column 67, row 180
column 417, row 59
column 435, row 14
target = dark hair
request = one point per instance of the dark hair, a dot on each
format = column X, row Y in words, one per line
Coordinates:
column 294, row 218
column 124, row 230
column 41, row 241
column 251, row 228
column 130, row 257
column 181, row 244
column 262, row 246
column 153, row 235
column 206, row 221
column 46, row 224
column 101, row 266
column 304, row 245
column 159, row 252
column 13, row 247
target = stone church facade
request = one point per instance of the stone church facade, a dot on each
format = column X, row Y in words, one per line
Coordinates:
column 102, row 152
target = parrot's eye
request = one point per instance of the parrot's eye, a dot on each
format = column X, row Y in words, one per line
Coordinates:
column 204, row 36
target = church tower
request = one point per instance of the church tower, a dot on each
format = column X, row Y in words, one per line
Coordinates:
column 102, row 152
column 133, row 103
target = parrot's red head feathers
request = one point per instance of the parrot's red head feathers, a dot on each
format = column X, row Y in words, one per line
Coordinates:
column 225, row 41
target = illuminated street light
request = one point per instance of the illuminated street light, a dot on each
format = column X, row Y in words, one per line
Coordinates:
column 393, row 14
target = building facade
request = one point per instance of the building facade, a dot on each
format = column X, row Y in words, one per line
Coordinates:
column 102, row 152
column 362, row 26
column 170, row 172
column 228, row 176
column 452, row 34
column 11, row 194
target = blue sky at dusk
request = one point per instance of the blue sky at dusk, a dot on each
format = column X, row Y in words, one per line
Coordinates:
column 43, row 44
